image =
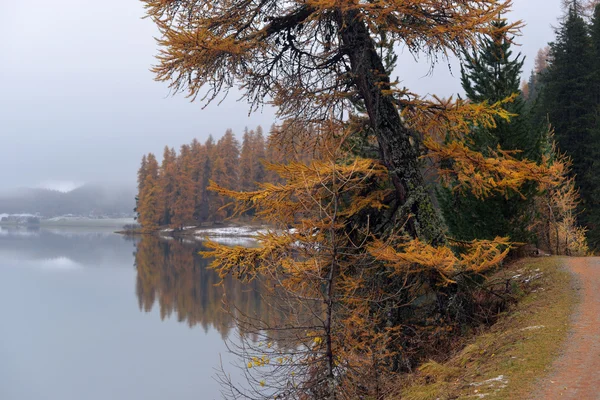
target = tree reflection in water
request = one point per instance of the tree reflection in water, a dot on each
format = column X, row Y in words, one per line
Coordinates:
column 173, row 274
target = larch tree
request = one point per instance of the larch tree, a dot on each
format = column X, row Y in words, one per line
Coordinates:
column 185, row 190
column 199, row 159
column 258, row 151
column 556, row 226
column 252, row 157
column 273, row 154
column 247, row 161
column 225, row 170
column 346, row 287
column 367, row 240
column 167, row 182
column 315, row 59
column 208, row 197
column 150, row 203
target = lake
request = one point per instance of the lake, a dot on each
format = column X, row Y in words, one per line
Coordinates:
column 94, row 315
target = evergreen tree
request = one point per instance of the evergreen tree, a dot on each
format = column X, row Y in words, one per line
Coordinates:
column 141, row 177
column 595, row 34
column 491, row 75
column 570, row 99
column 538, row 115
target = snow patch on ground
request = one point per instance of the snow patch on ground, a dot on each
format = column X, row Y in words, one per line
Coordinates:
column 231, row 231
column 232, row 241
column 533, row 328
column 494, row 384
column 501, row 380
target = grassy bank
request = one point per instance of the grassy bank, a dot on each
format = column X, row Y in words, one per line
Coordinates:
column 505, row 361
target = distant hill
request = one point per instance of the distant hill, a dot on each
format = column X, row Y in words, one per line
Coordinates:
column 87, row 200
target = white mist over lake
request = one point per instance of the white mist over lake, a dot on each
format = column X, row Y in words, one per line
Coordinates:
column 60, row 186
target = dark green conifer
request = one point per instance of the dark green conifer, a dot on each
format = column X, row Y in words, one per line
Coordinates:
column 595, row 34
column 491, row 75
column 571, row 100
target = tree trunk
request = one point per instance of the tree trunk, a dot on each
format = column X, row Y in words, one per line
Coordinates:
column 397, row 152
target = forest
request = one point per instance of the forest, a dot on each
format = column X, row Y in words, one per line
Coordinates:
column 386, row 234
column 175, row 192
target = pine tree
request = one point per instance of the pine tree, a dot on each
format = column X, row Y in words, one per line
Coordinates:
column 595, row 34
column 570, row 101
column 491, row 75
column 538, row 115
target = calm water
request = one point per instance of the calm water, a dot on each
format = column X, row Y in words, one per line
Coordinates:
column 92, row 315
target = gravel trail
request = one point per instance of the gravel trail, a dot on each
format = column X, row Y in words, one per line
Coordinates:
column 576, row 374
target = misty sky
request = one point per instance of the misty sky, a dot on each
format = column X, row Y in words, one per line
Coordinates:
column 78, row 102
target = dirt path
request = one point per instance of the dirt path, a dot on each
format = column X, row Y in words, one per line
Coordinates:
column 576, row 374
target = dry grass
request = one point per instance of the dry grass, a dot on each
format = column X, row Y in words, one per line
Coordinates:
column 505, row 361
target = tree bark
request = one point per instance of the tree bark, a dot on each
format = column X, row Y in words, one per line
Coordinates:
column 398, row 154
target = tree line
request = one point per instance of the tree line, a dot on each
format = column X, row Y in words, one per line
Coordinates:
column 563, row 90
column 172, row 276
column 174, row 193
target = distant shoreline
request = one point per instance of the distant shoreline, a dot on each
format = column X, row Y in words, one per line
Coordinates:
column 113, row 223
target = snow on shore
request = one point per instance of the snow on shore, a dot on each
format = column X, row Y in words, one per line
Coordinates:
column 231, row 231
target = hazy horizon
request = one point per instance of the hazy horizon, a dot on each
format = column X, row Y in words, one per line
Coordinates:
column 80, row 104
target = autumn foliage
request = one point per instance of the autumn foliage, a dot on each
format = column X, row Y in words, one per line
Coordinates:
column 175, row 193
column 355, row 281
column 555, row 205
column 357, row 247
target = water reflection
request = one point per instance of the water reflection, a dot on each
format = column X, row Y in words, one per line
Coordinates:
column 72, row 328
column 61, row 247
column 171, row 274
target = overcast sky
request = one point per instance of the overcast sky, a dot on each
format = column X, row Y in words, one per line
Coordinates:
column 78, row 103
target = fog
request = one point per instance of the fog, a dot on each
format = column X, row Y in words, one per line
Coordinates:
column 79, row 104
